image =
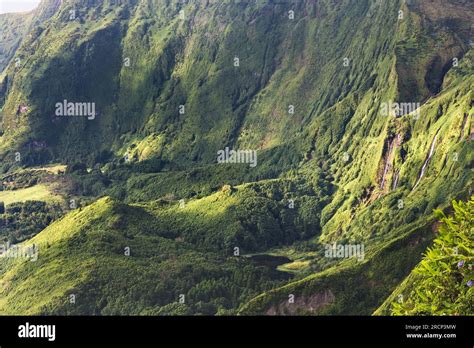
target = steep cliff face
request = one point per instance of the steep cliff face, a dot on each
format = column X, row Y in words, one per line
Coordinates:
column 162, row 69
column 15, row 26
column 360, row 113
column 141, row 61
column 12, row 28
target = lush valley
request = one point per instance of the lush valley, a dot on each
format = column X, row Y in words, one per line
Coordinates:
column 359, row 115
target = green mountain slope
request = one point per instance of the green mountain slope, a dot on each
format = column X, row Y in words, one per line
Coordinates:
column 388, row 218
column 442, row 283
column 12, row 28
column 86, row 254
column 309, row 85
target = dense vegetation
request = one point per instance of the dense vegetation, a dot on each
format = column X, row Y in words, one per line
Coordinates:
column 442, row 284
column 90, row 250
column 21, row 221
column 149, row 223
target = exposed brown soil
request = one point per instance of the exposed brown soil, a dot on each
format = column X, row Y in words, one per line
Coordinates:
column 311, row 304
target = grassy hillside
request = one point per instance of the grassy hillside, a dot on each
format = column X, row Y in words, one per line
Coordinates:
column 38, row 193
column 349, row 287
column 86, row 253
column 302, row 83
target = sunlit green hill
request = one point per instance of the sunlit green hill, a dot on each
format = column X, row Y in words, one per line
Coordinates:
column 359, row 113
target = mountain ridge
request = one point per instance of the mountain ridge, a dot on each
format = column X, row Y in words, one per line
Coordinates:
column 304, row 84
